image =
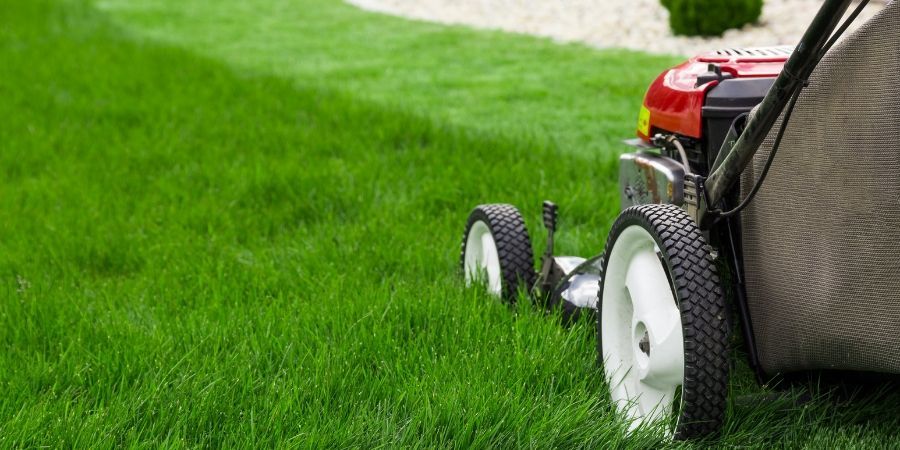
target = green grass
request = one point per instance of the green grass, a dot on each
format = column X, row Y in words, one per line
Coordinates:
column 237, row 225
column 583, row 101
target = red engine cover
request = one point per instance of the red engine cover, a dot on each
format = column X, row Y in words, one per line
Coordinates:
column 674, row 102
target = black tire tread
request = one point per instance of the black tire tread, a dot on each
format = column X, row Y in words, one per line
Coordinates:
column 513, row 246
column 702, row 303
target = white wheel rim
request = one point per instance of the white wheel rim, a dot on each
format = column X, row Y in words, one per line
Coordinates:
column 482, row 263
column 643, row 344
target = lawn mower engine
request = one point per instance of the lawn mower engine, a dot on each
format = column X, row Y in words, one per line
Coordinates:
column 687, row 114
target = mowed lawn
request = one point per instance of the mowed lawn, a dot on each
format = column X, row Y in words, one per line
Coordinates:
column 237, row 224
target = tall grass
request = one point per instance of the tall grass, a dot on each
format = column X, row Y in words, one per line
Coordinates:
column 200, row 251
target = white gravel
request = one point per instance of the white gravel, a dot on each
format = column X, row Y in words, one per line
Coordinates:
column 633, row 24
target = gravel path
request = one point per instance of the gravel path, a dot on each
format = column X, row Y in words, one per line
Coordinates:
column 633, row 24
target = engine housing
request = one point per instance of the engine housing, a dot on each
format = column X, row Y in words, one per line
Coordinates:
column 699, row 99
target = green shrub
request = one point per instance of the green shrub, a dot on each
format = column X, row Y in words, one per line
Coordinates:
column 710, row 17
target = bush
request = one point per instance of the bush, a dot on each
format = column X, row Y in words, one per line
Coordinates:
column 710, row 17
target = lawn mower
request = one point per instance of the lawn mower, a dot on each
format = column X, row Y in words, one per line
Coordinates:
column 801, row 253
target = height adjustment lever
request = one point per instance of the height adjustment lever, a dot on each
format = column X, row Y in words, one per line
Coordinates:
column 550, row 213
column 550, row 273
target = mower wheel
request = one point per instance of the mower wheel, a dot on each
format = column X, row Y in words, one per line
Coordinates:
column 496, row 250
column 661, row 327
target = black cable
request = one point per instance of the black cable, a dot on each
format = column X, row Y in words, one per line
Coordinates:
column 771, row 157
column 787, row 115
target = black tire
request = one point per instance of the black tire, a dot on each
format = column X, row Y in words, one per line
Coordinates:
column 696, row 287
column 513, row 244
